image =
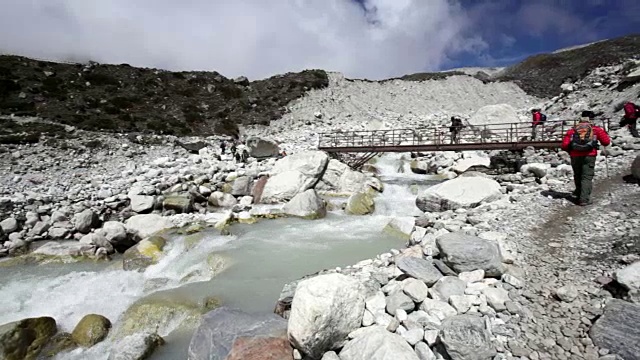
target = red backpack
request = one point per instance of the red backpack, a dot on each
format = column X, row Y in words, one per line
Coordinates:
column 629, row 110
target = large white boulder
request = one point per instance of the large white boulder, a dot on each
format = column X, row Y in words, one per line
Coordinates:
column 462, row 192
column 376, row 343
column 629, row 277
column 339, row 178
column 261, row 147
column 306, row 205
column 494, row 114
column 324, row 310
column 143, row 226
column 294, row 174
column 142, row 203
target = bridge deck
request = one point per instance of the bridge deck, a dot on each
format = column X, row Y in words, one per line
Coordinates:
column 509, row 136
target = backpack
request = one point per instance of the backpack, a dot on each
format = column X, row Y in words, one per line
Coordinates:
column 543, row 117
column 583, row 138
column 629, row 110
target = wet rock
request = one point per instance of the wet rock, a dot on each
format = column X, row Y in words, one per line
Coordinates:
column 143, row 226
column 401, row 226
column 178, row 203
column 147, row 252
column 142, row 203
column 234, row 335
column 377, row 344
column 464, row 252
column 462, row 192
column 59, row 343
column 307, row 205
column 325, row 309
column 136, row 347
column 91, row 330
column 25, row 339
column 64, row 250
column 157, row 314
column 617, row 329
column 466, row 338
column 85, row 221
column 360, row 203
column 98, row 240
column 420, row 269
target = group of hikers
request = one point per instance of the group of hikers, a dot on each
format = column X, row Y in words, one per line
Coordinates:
column 238, row 149
column 581, row 142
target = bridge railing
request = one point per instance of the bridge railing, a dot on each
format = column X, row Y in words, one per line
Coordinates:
column 547, row 132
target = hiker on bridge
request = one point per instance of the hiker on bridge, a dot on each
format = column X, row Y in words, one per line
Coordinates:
column 538, row 118
column 630, row 119
column 581, row 142
column 455, row 128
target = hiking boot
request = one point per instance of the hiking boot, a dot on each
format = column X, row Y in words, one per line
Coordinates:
column 585, row 203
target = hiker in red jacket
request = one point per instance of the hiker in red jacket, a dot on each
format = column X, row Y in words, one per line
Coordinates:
column 581, row 142
column 538, row 118
column 630, row 119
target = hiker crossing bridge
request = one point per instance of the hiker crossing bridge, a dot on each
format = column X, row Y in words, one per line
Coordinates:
column 362, row 146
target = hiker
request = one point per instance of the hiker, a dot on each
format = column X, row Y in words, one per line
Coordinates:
column 455, row 128
column 223, row 146
column 630, row 119
column 538, row 118
column 581, row 142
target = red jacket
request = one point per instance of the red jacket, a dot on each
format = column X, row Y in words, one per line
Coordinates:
column 598, row 132
column 537, row 116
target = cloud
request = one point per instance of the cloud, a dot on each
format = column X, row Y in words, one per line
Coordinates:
column 257, row 38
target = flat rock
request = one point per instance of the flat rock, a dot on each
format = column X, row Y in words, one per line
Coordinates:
column 459, row 193
column 420, row 269
column 142, row 203
column 448, row 286
column 464, row 252
column 617, row 329
column 466, row 338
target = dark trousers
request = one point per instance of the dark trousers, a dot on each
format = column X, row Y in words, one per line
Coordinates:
column 583, row 172
column 455, row 137
column 633, row 127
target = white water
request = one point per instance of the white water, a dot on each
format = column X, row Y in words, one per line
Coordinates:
column 264, row 256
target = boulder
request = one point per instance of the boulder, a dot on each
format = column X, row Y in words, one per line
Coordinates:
column 142, row 203
column 360, row 203
column 147, row 252
column 98, row 240
column 294, row 174
column 311, row 164
column 229, row 334
column 241, row 186
column 419, row 166
column 401, row 226
column 25, row 339
column 474, row 161
column 91, row 330
column 494, row 114
column 617, row 329
column 193, row 147
column 9, row 225
column 143, row 226
column 115, row 232
column 220, row 199
column 399, row 300
column 465, row 337
column 447, row 287
column 629, row 277
column 331, row 178
column 85, row 221
column 376, row 343
column 178, row 203
column 463, row 252
column 324, row 310
column 307, row 205
column 420, row 269
column 64, row 249
column 537, row 170
column 352, row 181
column 159, row 314
column 459, row 193
column 136, row 347
column 262, row 148
column 635, row 168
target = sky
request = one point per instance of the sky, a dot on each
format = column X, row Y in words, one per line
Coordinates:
column 372, row 39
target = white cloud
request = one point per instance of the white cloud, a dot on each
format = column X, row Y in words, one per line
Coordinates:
column 256, row 38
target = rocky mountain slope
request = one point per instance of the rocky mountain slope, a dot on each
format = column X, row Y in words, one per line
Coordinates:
column 122, row 98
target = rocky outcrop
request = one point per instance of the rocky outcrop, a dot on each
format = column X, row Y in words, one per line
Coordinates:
column 307, row 205
column 459, row 193
column 325, row 309
column 229, row 334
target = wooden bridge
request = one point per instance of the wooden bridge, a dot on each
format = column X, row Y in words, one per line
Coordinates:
column 364, row 145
